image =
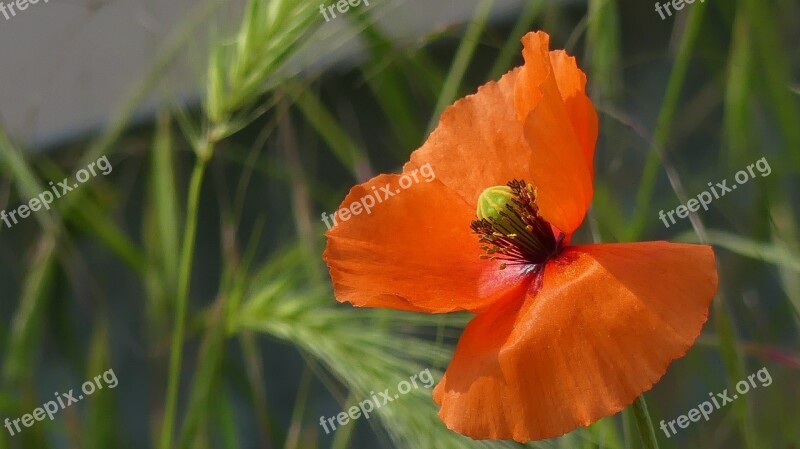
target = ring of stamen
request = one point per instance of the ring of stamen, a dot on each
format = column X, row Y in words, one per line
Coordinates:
column 510, row 229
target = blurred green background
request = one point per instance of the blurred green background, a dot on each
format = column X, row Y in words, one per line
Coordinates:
column 193, row 270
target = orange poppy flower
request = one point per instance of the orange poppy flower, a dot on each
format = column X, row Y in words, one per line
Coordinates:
column 564, row 334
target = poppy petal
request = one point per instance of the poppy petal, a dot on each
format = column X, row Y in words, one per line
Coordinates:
column 479, row 142
column 603, row 328
column 414, row 251
column 560, row 126
column 572, row 86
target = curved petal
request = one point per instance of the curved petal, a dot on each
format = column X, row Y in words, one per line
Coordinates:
column 606, row 324
column 572, row 86
column 479, row 142
column 542, row 66
column 560, row 126
column 414, row 250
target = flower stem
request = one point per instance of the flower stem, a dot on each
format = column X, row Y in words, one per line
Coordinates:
column 645, row 425
column 184, row 276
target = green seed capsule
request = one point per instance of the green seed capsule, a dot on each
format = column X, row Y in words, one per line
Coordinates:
column 492, row 201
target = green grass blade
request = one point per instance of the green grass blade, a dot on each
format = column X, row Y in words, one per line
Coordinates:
column 82, row 208
column 164, row 197
column 776, row 72
column 783, row 216
column 299, row 411
column 206, row 379
column 230, row 436
column 24, row 177
column 738, row 120
column 255, row 375
column 666, row 116
column 344, row 148
column 184, row 277
column 603, row 48
column 644, row 423
column 772, row 253
column 18, row 370
column 27, row 320
column 101, row 430
column 384, row 73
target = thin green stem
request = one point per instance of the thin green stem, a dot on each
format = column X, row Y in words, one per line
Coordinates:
column 301, row 401
column 184, row 276
column 644, row 424
column 628, row 428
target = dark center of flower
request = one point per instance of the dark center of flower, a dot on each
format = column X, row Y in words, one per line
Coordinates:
column 510, row 227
